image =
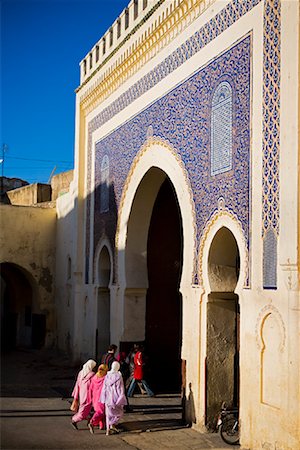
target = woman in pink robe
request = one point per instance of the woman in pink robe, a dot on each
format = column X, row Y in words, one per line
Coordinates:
column 82, row 393
column 113, row 395
column 96, row 389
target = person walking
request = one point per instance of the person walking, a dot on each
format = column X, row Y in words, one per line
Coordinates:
column 96, row 387
column 81, row 393
column 109, row 357
column 113, row 396
column 138, row 374
column 130, row 362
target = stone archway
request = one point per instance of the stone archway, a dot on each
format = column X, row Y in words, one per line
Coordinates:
column 21, row 326
column 156, row 185
column 222, row 345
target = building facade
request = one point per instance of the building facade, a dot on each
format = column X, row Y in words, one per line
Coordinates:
column 184, row 208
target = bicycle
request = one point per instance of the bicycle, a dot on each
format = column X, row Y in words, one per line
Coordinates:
column 228, row 424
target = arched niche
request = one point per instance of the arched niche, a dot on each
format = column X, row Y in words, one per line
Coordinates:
column 103, row 277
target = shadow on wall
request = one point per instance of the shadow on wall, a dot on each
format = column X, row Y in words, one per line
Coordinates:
column 190, row 407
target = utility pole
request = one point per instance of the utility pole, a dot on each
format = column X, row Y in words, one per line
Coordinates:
column 4, row 150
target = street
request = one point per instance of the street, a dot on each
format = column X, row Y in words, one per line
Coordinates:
column 35, row 402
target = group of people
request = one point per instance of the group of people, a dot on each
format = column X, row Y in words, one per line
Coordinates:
column 105, row 392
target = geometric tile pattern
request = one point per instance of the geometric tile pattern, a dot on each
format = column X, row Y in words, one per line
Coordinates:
column 270, row 260
column 271, row 139
column 209, row 31
column 182, row 117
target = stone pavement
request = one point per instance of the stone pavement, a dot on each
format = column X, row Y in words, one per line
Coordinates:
column 35, row 390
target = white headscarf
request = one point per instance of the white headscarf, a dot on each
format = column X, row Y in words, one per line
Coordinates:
column 115, row 367
column 88, row 367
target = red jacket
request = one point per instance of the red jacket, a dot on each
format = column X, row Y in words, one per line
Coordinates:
column 138, row 366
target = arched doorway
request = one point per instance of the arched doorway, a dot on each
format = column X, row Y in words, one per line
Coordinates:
column 155, row 164
column 103, row 303
column 222, row 360
column 154, row 257
column 21, row 326
column 163, row 301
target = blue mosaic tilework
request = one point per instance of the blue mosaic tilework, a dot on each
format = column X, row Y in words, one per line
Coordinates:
column 271, row 140
column 183, row 118
column 223, row 20
column 271, row 125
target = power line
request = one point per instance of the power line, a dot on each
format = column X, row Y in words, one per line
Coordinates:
column 40, row 160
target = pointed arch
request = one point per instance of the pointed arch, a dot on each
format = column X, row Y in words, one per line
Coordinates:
column 160, row 155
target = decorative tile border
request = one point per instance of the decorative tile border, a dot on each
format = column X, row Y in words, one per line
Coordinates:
column 271, row 140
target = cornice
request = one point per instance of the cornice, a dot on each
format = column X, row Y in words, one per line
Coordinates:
column 142, row 52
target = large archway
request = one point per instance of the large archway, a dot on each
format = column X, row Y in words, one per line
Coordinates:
column 21, row 325
column 163, row 301
column 153, row 275
column 156, row 181
column 222, row 360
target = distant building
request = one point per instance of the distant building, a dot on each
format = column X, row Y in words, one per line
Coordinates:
column 8, row 184
column 28, row 224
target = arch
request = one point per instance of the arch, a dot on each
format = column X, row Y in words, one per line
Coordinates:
column 271, row 358
column 22, row 325
column 157, row 182
column 103, row 248
column 164, row 161
column 103, row 269
column 222, row 217
column 222, row 264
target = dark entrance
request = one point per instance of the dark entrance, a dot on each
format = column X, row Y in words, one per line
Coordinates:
column 19, row 326
column 163, row 303
column 222, row 362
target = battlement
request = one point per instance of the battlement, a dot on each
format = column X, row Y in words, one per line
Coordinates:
column 122, row 28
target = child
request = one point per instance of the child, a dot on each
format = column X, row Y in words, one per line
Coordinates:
column 96, row 389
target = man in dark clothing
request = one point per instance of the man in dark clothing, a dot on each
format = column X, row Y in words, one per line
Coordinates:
column 109, row 357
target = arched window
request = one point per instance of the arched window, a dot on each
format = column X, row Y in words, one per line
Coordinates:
column 221, row 130
column 104, row 186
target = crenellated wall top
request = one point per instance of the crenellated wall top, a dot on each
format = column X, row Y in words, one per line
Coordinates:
column 132, row 39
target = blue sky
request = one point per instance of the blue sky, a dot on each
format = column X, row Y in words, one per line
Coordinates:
column 42, row 43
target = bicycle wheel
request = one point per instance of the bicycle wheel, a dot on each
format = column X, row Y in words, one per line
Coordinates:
column 230, row 431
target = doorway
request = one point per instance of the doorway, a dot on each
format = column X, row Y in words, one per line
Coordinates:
column 163, row 300
column 222, row 360
column 20, row 325
column 103, row 303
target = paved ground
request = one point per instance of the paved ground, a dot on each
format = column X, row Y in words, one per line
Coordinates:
column 35, row 389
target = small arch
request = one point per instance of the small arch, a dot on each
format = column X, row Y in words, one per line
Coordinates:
column 103, row 279
column 22, row 324
column 271, row 361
